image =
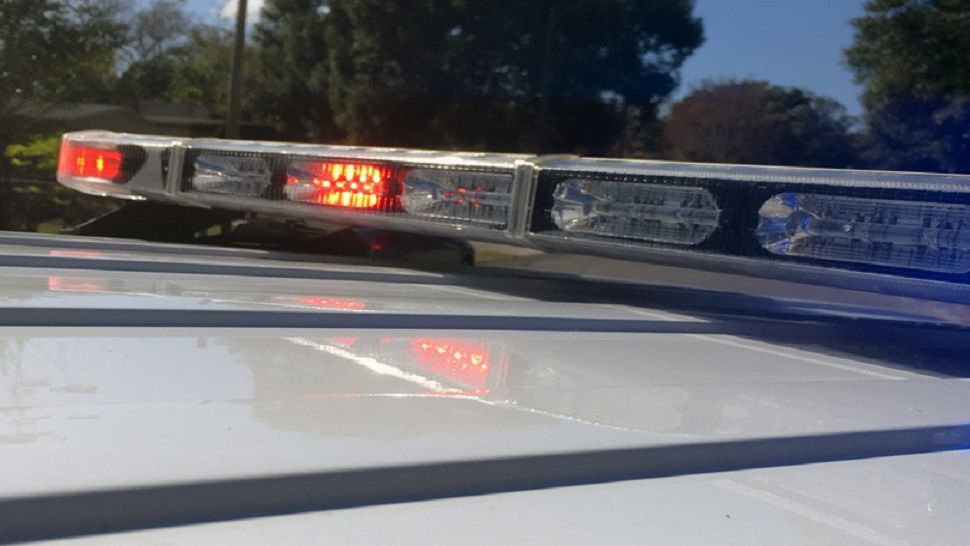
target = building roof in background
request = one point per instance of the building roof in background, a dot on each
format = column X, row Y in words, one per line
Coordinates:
column 164, row 113
column 143, row 117
column 70, row 111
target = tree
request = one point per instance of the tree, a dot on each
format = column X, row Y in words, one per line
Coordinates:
column 921, row 134
column 50, row 50
column 546, row 75
column 194, row 71
column 159, row 27
column 28, row 202
column 911, row 57
column 758, row 123
column 38, row 154
column 386, row 88
column 53, row 50
column 290, row 69
column 912, row 48
column 169, row 58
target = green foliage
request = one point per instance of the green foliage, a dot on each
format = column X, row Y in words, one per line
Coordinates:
column 73, row 51
column 194, row 71
column 50, row 51
column 170, row 59
column 758, row 123
column 56, row 50
column 290, row 70
column 911, row 55
column 39, row 154
column 386, row 87
column 920, row 134
column 53, row 50
column 915, row 48
column 31, row 199
column 162, row 25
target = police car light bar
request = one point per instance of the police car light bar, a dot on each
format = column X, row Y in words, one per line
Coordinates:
column 111, row 164
column 750, row 218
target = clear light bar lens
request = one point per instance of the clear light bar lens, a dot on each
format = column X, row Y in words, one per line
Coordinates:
column 245, row 176
column 910, row 234
column 629, row 210
column 466, row 196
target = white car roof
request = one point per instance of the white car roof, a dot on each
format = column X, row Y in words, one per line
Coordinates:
column 169, row 386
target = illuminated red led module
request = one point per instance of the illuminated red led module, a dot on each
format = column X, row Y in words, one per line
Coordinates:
column 342, row 184
column 89, row 162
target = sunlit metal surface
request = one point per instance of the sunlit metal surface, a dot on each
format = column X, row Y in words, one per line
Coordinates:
column 95, row 408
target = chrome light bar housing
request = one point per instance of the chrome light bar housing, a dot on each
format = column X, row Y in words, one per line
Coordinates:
column 852, row 227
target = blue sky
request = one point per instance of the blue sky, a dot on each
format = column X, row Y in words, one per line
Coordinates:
column 787, row 42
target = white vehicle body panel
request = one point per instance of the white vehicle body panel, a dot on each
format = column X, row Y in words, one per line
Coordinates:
column 885, row 501
column 87, row 409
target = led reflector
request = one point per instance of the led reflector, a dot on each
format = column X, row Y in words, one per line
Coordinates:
column 467, row 196
column 235, row 175
column 648, row 212
column 910, row 234
column 341, row 184
column 82, row 161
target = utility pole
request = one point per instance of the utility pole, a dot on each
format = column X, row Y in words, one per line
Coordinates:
column 545, row 82
column 235, row 82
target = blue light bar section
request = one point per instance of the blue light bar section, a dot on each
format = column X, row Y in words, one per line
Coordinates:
column 907, row 234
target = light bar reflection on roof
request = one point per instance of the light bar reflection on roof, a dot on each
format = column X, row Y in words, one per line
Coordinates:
column 56, row 283
column 462, row 361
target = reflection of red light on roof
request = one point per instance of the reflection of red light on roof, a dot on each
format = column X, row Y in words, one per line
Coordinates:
column 461, row 361
column 330, row 303
column 77, row 253
column 456, row 393
column 344, row 341
column 379, row 243
column 76, row 284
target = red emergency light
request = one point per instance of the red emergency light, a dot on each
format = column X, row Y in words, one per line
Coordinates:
column 341, row 184
column 76, row 160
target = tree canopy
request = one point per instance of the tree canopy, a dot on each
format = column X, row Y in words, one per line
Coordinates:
column 54, row 50
column 291, row 69
column 914, row 48
column 758, row 123
column 193, row 70
column 549, row 75
column 473, row 73
column 911, row 56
